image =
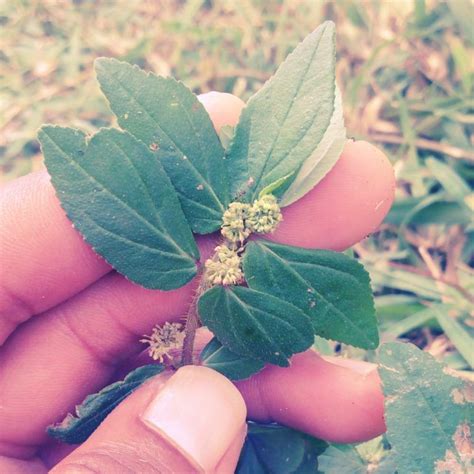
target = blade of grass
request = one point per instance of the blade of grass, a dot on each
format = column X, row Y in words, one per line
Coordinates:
column 463, row 342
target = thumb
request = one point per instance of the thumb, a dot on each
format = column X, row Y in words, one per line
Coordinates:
column 192, row 421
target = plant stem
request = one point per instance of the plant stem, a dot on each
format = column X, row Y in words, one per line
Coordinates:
column 192, row 324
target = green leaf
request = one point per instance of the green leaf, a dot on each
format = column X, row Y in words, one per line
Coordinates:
column 233, row 366
column 331, row 288
column 169, row 119
column 462, row 13
column 383, row 275
column 341, row 459
column 320, row 162
column 255, row 325
column 276, row 187
column 413, row 321
column 94, row 409
column 457, row 334
column 226, row 134
column 283, row 123
column 276, row 449
column 449, row 179
column 364, row 458
column 118, row 196
column 431, row 209
column 427, row 412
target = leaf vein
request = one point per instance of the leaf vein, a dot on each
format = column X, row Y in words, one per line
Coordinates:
column 143, row 106
column 329, row 303
column 94, row 180
column 287, row 113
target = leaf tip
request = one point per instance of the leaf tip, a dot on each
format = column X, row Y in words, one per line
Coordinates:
column 329, row 24
column 43, row 130
column 102, row 62
column 374, row 342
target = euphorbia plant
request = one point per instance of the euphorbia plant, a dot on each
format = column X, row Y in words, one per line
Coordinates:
column 139, row 194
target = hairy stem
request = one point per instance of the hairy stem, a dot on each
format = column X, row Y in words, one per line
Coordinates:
column 192, row 324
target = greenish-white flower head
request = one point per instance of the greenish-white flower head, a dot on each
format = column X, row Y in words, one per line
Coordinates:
column 241, row 219
column 264, row 215
column 234, row 227
column 164, row 339
column 224, row 268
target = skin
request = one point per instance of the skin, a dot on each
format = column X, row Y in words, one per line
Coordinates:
column 68, row 322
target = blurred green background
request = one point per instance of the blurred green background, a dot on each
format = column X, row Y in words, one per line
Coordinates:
column 406, row 71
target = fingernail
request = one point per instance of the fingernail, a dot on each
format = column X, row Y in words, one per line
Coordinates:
column 200, row 412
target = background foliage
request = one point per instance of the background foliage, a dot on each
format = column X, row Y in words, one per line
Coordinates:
column 405, row 69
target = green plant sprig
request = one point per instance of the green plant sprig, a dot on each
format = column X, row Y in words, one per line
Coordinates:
column 138, row 195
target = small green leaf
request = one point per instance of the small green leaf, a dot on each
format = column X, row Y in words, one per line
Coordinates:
column 341, row 459
column 331, row 288
column 276, row 449
column 431, row 209
column 321, row 161
column 283, row 123
column 233, row 366
column 407, row 323
column 454, row 185
column 276, row 187
column 255, row 325
column 226, row 134
column 94, row 409
column 428, row 412
column 118, row 196
column 369, row 457
column 456, row 332
column 169, row 119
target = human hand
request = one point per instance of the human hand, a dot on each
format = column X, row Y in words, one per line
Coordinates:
column 67, row 323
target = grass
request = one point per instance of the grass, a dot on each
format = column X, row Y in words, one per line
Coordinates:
column 406, row 72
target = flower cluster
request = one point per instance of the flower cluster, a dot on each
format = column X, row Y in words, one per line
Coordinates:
column 240, row 219
column 264, row 215
column 234, row 220
column 224, row 267
column 164, row 339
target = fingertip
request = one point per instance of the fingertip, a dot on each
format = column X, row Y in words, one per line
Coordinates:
column 223, row 108
column 325, row 400
column 347, row 205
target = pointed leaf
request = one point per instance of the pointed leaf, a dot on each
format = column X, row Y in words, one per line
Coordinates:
column 283, row 123
column 369, row 457
column 226, row 134
column 118, row 196
column 457, row 332
column 321, row 161
column 169, row 119
column 255, row 325
column 454, row 184
column 279, row 450
column 233, row 366
column 341, row 459
column 428, row 412
column 331, row 288
column 94, row 409
column 278, row 187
